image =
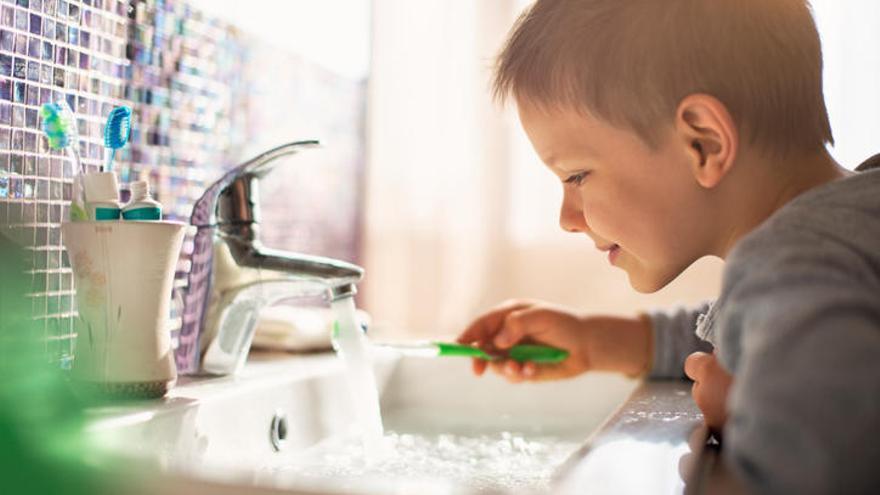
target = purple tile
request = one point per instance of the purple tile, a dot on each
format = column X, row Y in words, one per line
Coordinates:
column 7, row 40
column 33, row 95
column 34, row 47
column 45, row 74
column 5, row 89
column 33, row 71
column 21, row 19
column 36, row 24
column 6, row 113
column 21, row 44
column 5, row 65
column 19, row 68
column 7, row 16
column 47, row 51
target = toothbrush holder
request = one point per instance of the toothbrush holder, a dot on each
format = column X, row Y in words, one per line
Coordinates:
column 124, row 273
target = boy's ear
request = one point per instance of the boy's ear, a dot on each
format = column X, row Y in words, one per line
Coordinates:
column 711, row 137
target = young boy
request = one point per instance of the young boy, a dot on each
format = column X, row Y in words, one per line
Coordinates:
column 686, row 128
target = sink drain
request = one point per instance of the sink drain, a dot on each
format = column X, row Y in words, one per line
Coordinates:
column 278, row 431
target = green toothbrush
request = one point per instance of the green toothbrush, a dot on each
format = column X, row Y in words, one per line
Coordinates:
column 524, row 352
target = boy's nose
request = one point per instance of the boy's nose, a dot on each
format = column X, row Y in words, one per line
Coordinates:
column 571, row 215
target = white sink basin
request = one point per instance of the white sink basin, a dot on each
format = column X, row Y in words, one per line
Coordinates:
column 448, row 431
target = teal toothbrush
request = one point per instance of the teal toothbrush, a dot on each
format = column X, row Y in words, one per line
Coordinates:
column 116, row 134
column 524, row 352
column 59, row 126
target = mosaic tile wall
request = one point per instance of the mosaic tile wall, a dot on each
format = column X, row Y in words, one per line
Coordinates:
column 201, row 91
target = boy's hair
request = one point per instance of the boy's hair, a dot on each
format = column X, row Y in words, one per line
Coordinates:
column 631, row 62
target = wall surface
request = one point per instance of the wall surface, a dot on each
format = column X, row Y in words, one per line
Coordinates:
column 205, row 96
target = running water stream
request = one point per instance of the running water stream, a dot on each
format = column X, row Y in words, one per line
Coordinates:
column 353, row 347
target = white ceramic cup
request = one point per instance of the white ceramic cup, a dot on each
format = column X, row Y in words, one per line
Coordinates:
column 124, row 273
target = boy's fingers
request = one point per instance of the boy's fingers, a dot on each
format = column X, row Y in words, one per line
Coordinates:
column 695, row 365
column 513, row 329
column 479, row 366
column 497, row 366
column 486, row 326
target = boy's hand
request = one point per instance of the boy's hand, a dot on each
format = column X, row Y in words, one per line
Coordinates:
column 593, row 343
column 711, row 385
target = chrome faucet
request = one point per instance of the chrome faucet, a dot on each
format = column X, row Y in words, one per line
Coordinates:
column 233, row 276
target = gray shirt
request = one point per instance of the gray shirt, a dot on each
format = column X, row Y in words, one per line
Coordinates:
column 798, row 325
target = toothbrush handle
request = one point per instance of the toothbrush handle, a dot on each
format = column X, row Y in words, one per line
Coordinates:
column 537, row 354
column 109, row 154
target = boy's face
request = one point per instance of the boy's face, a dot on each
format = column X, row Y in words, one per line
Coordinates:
column 620, row 192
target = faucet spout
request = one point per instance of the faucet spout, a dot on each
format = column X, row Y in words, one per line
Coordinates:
column 233, row 275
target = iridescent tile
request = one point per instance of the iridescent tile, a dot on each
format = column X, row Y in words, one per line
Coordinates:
column 37, row 5
column 61, row 31
column 62, row 8
column 34, row 47
column 73, row 35
column 45, row 74
column 49, row 7
column 5, row 65
column 60, row 55
column 21, row 44
column 33, row 95
column 49, row 28
column 59, row 77
column 22, row 3
column 17, row 116
column 84, row 61
column 33, row 71
column 19, row 68
column 42, row 192
column 36, row 24
column 18, row 92
column 31, row 118
column 85, row 38
column 47, row 50
column 7, row 16
column 74, row 13
column 5, row 113
column 7, row 40
column 21, row 19
column 27, row 190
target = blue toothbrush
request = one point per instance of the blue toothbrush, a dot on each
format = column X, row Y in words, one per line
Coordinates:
column 116, row 134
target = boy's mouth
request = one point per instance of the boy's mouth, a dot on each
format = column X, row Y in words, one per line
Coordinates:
column 613, row 251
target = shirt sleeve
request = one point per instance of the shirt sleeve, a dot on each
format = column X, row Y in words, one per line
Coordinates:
column 674, row 339
column 804, row 408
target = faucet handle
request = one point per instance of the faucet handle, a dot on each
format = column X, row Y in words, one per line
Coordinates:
column 205, row 209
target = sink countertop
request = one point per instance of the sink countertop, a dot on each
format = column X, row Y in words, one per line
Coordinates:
column 656, row 442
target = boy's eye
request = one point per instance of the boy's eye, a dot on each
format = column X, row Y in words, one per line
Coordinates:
column 576, row 179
